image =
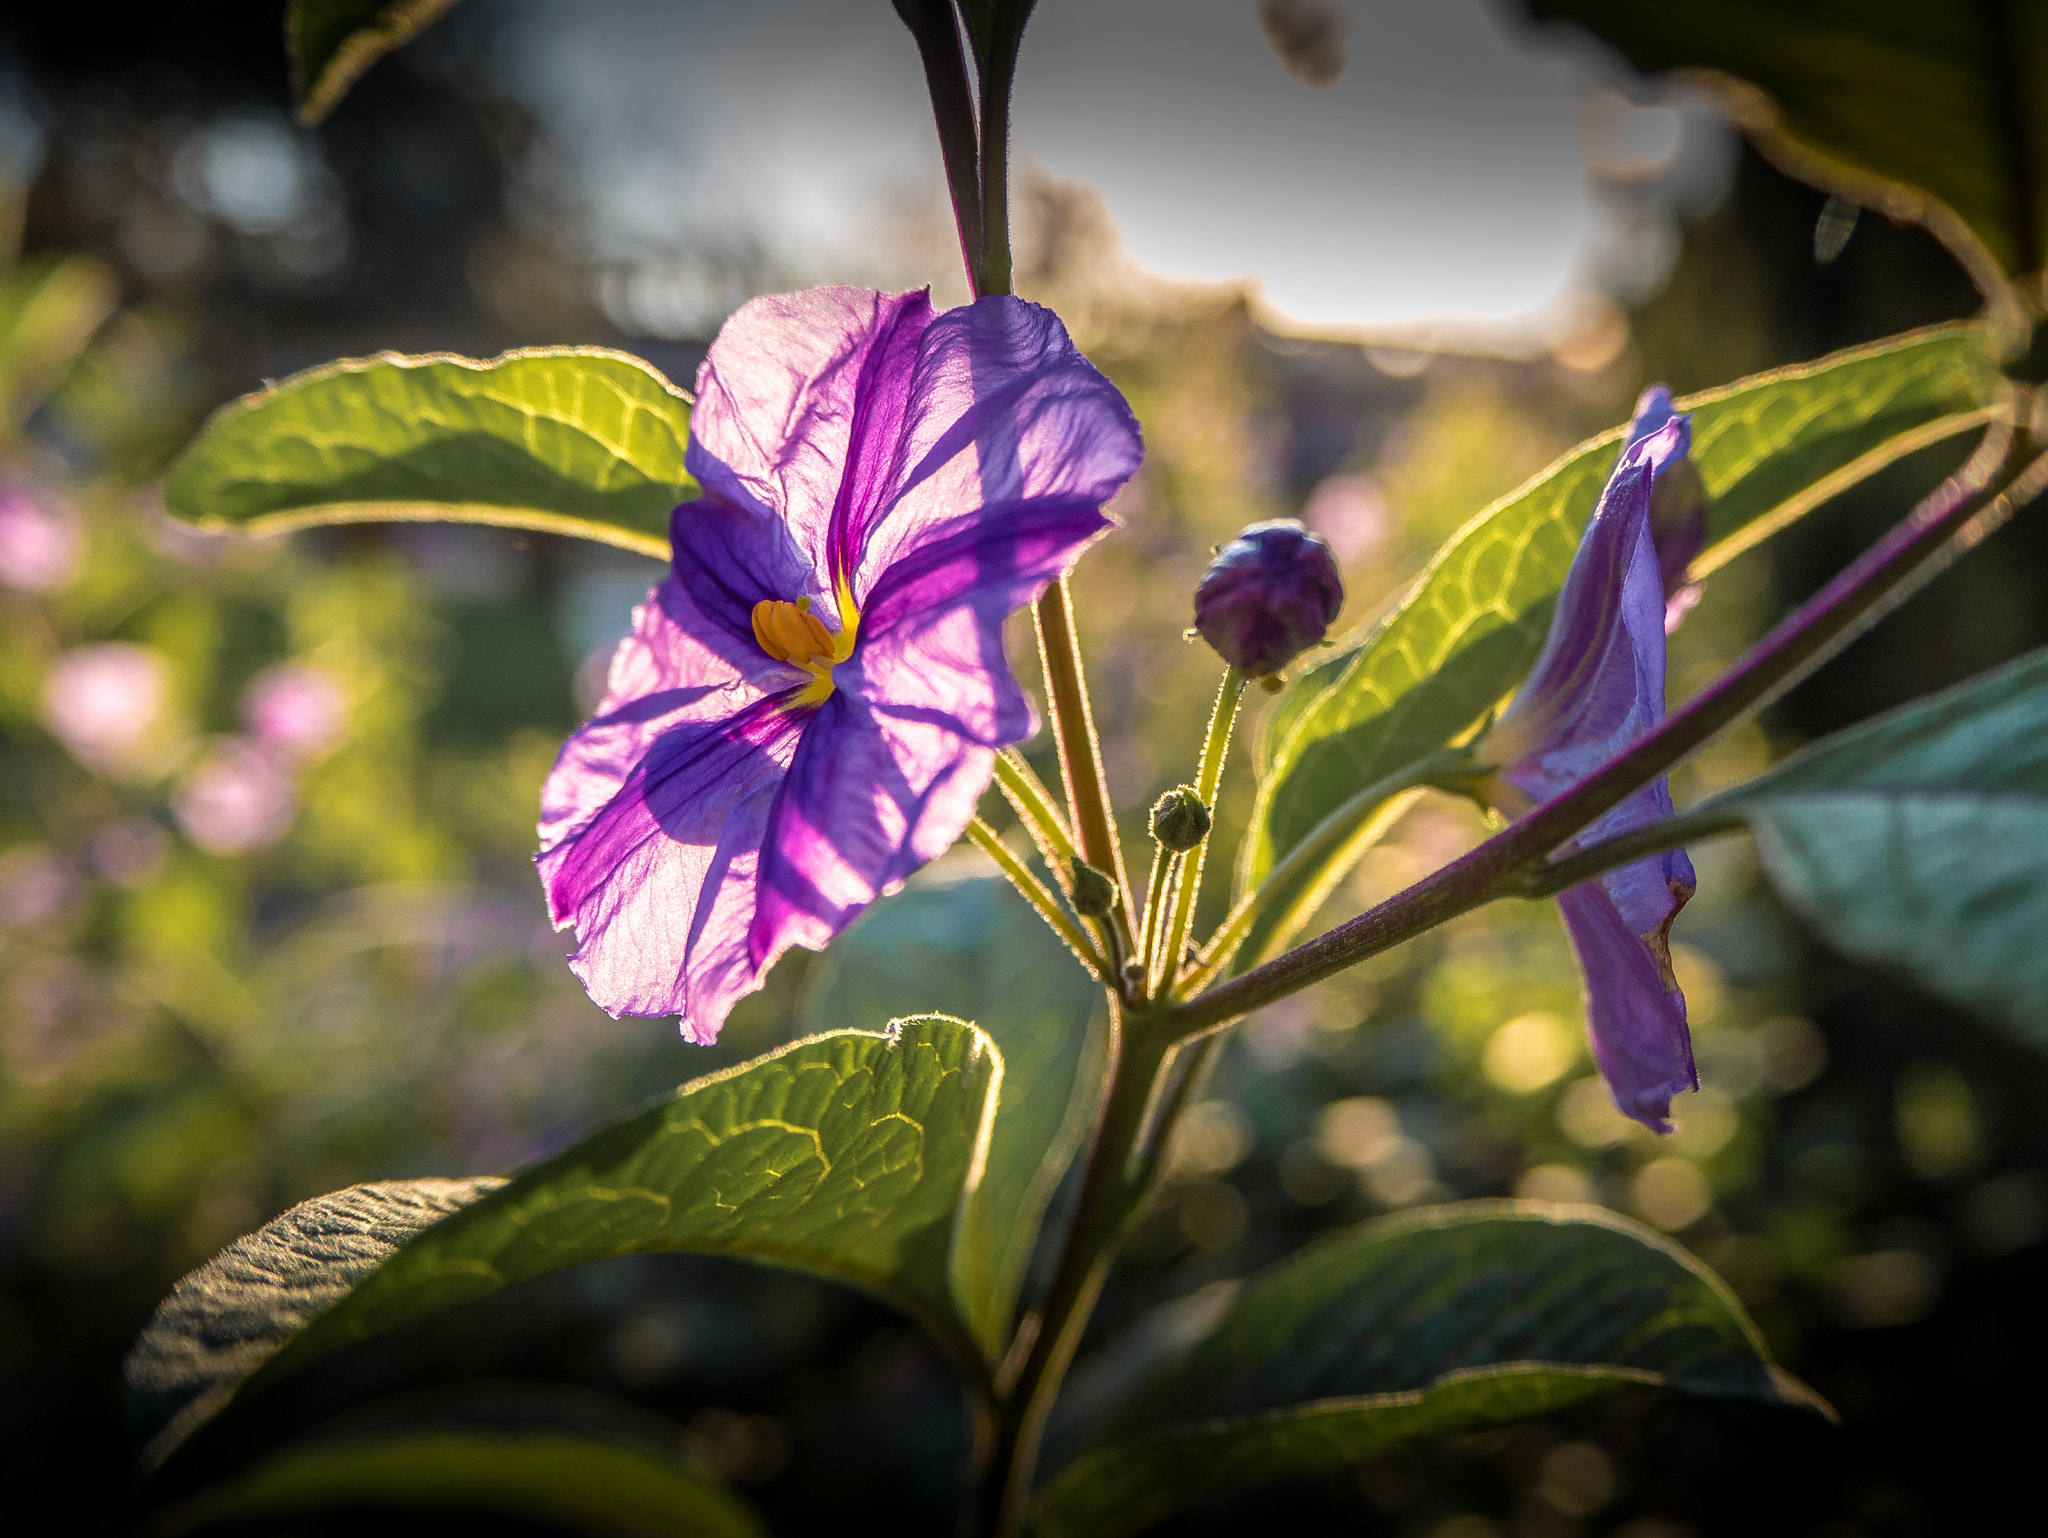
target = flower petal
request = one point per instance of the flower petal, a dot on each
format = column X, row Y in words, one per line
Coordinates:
column 659, row 882
column 728, row 557
column 674, row 669
column 1634, row 1013
column 1003, row 411
column 800, row 406
column 872, row 794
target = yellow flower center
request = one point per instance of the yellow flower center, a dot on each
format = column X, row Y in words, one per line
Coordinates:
column 791, row 633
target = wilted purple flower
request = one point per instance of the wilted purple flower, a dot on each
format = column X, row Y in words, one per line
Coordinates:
column 237, row 801
column 1269, row 595
column 809, row 706
column 39, row 542
column 1598, row 687
column 295, row 709
column 103, row 701
column 1678, row 506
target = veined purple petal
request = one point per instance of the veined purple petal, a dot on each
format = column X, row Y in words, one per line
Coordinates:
column 873, row 794
column 996, row 561
column 800, row 406
column 728, row 556
column 1004, row 412
column 1634, row 1012
column 659, row 883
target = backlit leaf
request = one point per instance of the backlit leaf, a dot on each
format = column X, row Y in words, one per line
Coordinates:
column 579, row 441
column 332, row 42
column 1444, row 1320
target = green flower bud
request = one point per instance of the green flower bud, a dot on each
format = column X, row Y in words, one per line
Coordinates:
column 1179, row 820
column 1093, row 893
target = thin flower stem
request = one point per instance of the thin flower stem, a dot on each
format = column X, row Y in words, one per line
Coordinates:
column 1035, row 807
column 1039, row 896
column 1969, row 504
column 1073, row 727
column 1208, row 783
column 1005, row 35
column 1173, row 881
column 1155, row 894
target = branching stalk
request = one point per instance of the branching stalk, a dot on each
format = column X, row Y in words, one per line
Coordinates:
column 1208, row 784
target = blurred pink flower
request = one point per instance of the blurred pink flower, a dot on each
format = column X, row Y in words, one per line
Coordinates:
column 1350, row 511
column 295, row 710
column 34, row 885
column 40, row 542
column 102, row 701
column 238, row 800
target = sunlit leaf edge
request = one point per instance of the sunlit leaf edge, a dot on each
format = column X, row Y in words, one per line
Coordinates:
column 318, row 85
column 511, row 516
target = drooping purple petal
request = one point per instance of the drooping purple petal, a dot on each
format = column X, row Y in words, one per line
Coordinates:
column 1678, row 504
column 1634, row 1012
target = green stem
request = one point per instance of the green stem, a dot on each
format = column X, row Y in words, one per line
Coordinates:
column 1332, row 846
column 1035, row 808
column 1155, row 900
column 1208, row 783
column 937, row 31
column 1073, row 730
column 998, row 68
column 1039, row 896
column 1113, row 1188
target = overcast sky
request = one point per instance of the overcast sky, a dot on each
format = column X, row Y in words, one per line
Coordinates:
column 1441, row 177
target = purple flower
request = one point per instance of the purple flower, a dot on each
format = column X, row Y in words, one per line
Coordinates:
column 809, row 706
column 1269, row 595
column 1678, row 506
column 1598, row 687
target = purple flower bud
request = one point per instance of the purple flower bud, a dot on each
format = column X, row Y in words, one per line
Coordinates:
column 1269, row 596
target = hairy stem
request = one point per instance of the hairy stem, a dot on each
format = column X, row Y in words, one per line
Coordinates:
column 1035, row 808
column 937, row 31
column 1073, row 730
column 1554, row 876
column 1968, row 504
column 1208, row 784
column 1039, row 896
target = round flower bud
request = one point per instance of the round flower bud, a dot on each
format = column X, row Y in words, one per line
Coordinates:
column 1179, row 820
column 1269, row 596
column 1093, row 893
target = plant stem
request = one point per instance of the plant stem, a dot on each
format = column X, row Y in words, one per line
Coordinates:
column 1073, row 729
column 1035, row 808
column 1208, row 783
column 1968, row 504
column 1112, row 1188
column 1039, row 896
column 998, row 68
column 1592, row 860
column 937, row 31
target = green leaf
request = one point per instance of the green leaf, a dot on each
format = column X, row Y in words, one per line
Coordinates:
column 332, row 42
column 1769, row 448
column 849, row 1155
column 1443, row 1320
column 975, row 949
column 1871, row 98
column 1919, row 839
column 225, row 1319
column 580, row 441
column 49, row 310
column 550, row 1455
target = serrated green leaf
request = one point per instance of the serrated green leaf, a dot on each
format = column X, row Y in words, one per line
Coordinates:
column 974, row 949
column 1876, row 99
column 1768, row 449
column 578, row 441
column 1919, row 840
column 1447, row 1319
column 331, row 43
column 848, row 1155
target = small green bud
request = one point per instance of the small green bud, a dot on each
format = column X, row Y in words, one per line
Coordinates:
column 1093, row 893
column 1179, row 820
